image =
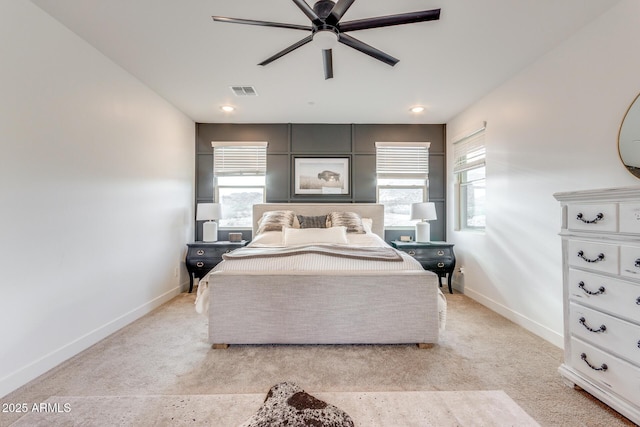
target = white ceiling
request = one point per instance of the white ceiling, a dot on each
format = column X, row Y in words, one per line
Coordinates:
column 175, row 48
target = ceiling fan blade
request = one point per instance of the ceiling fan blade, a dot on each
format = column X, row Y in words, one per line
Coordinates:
column 338, row 11
column 327, row 58
column 311, row 14
column 261, row 23
column 287, row 50
column 386, row 21
column 369, row 50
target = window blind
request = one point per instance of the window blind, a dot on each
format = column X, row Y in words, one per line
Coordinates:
column 402, row 159
column 239, row 158
column 469, row 151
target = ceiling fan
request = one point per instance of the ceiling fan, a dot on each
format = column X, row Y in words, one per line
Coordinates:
column 327, row 29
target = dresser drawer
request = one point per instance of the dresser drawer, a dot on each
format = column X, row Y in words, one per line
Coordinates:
column 593, row 256
column 592, row 217
column 201, row 266
column 629, row 218
column 617, row 375
column 615, row 335
column 202, row 262
column 208, row 252
column 426, row 254
column 439, row 260
column 630, row 261
column 614, row 296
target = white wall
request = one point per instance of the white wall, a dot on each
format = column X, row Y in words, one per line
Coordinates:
column 552, row 128
column 96, row 189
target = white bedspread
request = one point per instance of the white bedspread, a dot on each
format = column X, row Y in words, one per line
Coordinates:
column 312, row 262
column 316, row 262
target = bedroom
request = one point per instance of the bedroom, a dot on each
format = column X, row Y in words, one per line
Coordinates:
column 98, row 182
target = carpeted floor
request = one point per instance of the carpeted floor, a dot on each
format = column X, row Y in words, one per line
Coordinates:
column 372, row 409
column 167, row 353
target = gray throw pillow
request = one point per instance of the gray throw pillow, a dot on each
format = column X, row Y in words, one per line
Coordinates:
column 319, row 221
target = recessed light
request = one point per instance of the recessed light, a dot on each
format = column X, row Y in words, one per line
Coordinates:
column 417, row 109
column 227, row 108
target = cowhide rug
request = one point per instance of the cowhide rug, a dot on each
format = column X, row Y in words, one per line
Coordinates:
column 289, row 405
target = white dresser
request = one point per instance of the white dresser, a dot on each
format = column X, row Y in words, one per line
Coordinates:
column 601, row 274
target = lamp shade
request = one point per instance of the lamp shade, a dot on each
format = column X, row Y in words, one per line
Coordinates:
column 208, row 211
column 423, row 211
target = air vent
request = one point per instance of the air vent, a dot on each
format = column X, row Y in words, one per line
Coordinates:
column 244, row 90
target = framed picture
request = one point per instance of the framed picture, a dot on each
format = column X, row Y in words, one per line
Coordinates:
column 321, row 175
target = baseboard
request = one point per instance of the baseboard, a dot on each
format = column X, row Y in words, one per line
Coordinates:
column 38, row 367
column 517, row 318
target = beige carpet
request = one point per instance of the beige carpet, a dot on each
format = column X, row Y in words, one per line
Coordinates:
column 372, row 409
column 166, row 353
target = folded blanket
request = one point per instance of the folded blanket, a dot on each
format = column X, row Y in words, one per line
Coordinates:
column 365, row 253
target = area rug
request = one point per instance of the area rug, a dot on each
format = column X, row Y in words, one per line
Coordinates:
column 371, row 409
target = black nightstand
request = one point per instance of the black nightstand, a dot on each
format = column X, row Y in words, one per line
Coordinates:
column 434, row 256
column 203, row 256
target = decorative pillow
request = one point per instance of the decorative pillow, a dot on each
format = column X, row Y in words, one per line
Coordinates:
column 275, row 221
column 312, row 221
column 351, row 220
column 305, row 236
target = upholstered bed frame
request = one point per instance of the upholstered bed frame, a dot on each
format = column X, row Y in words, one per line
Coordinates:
column 306, row 307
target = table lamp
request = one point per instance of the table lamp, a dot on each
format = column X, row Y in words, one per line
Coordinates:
column 209, row 212
column 425, row 212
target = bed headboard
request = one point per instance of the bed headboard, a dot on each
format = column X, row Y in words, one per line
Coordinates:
column 375, row 211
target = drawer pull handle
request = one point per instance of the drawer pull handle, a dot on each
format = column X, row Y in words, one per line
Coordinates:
column 599, row 258
column 440, row 264
column 441, row 253
column 599, row 217
column 583, row 322
column 638, row 343
column 587, row 291
column 602, row 367
column 199, row 264
column 638, row 301
column 637, row 263
column 200, row 252
column 412, row 252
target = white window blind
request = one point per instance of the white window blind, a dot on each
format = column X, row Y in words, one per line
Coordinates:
column 402, row 159
column 469, row 151
column 239, row 158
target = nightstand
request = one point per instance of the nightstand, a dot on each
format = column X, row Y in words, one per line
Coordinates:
column 203, row 256
column 434, row 256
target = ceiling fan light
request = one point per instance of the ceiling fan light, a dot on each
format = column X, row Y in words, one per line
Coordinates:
column 325, row 39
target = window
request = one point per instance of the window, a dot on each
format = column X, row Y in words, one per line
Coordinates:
column 402, row 170
column 469, row 168
column 239, row 173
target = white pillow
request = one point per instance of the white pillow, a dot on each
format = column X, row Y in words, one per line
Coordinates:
column 268, row 238
column 304, row 236
column 367, row 223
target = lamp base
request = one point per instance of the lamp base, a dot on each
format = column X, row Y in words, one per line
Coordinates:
column 210, row 231
column 423, row 232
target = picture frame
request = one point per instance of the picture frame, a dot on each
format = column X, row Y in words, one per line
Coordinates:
column 327, row 176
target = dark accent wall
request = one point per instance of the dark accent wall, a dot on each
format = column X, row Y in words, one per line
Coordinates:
column 355, row 141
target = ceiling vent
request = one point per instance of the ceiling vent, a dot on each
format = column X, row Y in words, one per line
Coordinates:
column 244, row 90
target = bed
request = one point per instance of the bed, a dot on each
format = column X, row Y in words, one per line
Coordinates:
column 304, row 284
